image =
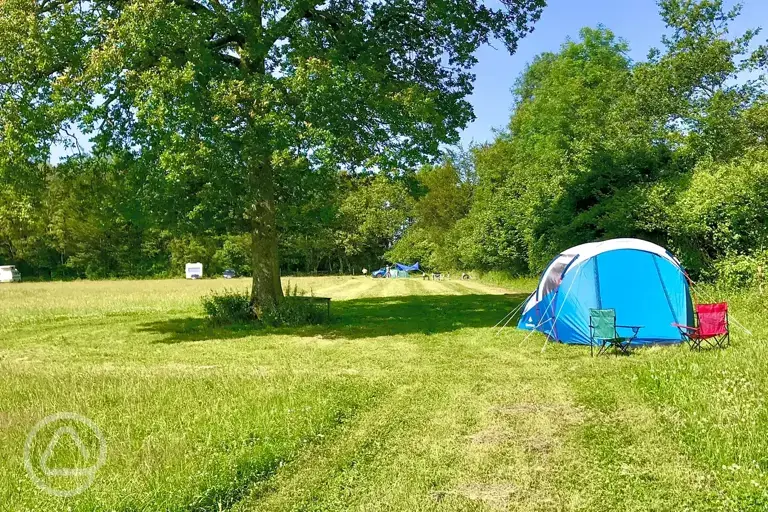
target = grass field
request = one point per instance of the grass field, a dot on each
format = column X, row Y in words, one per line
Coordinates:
column 408, row 400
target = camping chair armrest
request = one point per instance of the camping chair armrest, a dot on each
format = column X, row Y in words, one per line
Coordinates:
column 686, row 331
column 635, row 328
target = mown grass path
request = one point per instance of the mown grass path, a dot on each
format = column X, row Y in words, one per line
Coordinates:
column 408, row 400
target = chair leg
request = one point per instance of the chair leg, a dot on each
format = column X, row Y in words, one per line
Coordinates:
column 624, row 347
column 617, row 345
column 723, row 341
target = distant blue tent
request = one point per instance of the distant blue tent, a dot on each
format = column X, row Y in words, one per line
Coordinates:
column 406, row 268
column 643, row 282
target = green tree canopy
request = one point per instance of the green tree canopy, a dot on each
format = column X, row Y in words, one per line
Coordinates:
column 601, row 147
column 209, row 103
column 431, row 236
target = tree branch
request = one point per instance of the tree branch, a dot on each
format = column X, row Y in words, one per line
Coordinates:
column 230, row 59
column 47, row 6
column 302, row 10
column 219, row 8
column 314, row 14
column 105, row 107
column 220, row 12
column 40, row 74
column 223, row 41
column 195, row 7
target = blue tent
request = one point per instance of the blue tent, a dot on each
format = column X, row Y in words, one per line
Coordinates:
column 643, row 282
column 397, row 270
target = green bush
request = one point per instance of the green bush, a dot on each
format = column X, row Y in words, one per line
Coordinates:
column 229, row 307
column 741, row 271
column 234, row 307
column 294, row 310
column 719, row 221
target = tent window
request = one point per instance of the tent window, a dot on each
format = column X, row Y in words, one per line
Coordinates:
column 551, row 278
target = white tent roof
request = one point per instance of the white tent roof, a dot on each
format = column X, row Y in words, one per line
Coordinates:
column 586, row 251
column 551, row 276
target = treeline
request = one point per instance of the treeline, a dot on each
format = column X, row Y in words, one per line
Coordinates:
column 86, row 218
column 671, row 150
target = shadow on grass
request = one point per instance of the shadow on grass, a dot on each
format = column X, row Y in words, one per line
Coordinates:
column 363, row 318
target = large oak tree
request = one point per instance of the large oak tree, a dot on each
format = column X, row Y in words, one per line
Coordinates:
column 216, row 105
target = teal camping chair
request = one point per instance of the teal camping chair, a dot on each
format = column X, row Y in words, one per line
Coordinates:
column 604, row 333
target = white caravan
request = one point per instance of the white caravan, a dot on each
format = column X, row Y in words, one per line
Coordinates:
column 194, row 270
column 9, row 274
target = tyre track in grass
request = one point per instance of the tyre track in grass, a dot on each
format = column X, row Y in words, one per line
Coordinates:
column 379, row 288
column 461, row 419
column 459, row 435
column 351, row 289
column 434, row 288
column 479, row 287
column 356, row 446
column 486, row 427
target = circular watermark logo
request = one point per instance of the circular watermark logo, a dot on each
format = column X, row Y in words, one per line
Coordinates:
column 63, row 452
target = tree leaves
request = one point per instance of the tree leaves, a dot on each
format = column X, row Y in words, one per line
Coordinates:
column 600, row 147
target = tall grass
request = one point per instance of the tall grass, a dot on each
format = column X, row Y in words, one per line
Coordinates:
column 715, row 401
column 407, row 400
column 502, row 278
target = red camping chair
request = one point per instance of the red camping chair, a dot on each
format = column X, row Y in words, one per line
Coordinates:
column 712, row 326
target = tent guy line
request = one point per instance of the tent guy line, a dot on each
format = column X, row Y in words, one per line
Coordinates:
column 509, row 316
column 565, row 300
column 696, row 290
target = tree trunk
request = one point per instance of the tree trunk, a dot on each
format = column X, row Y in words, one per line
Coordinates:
column 266, row 290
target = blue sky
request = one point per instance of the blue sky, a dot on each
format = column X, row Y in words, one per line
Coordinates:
column 637, row 21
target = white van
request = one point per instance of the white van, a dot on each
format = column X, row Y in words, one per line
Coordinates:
column 194, row 270
column 9, row 274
